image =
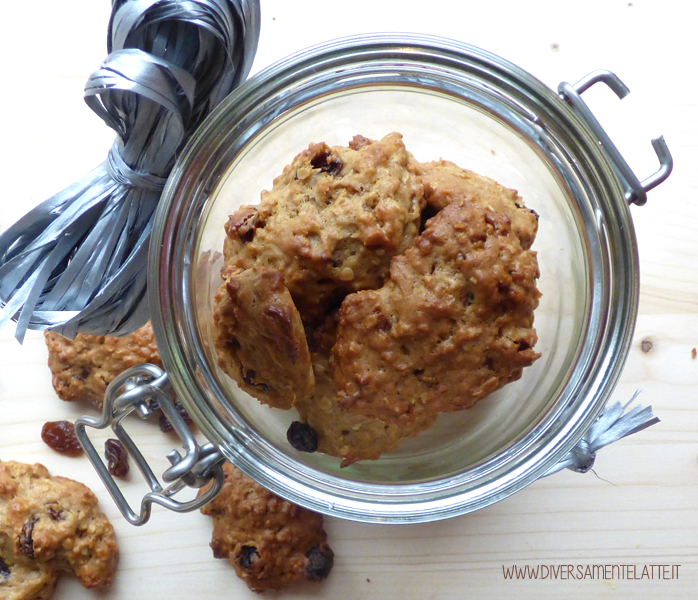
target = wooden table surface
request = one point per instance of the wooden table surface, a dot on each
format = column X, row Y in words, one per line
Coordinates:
column 639, row 508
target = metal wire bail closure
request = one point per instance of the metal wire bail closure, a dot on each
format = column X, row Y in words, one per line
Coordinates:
column 635, row 190
column 144, row 389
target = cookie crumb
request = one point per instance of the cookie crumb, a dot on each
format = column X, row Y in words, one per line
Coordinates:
column 693, row 353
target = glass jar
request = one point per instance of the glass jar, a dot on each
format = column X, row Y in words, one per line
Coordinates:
column 485, row 114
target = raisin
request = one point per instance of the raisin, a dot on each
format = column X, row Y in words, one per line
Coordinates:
column 4, row 571
column 164, row 422
column 56, row 515
column 383, row 323
column 60, row 435
column 302, row 437
column 248, row 376
column 247, row 556
column 25, row 543
column 326, row 163
column 117, row 457
column 243, row 223
column 320, row 562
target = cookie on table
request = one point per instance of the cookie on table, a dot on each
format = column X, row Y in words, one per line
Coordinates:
column 259, row 337
column 452, row 324
column 83, row 368
column 331, row 222
column 269, row 541
column 50, row 525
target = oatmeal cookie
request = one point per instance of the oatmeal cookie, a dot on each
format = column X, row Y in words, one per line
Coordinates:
column 83, row 368
column 331, row 222
column 347, row 433
column 270, row 541
column 453, row 323
column 49, row 525
column 445, row 182
column 260, row 339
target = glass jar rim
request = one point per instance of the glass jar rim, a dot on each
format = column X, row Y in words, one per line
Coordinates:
column 538, row 111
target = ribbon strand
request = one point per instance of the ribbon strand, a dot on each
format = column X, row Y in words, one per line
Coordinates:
column 614, row 423
column 76, row 263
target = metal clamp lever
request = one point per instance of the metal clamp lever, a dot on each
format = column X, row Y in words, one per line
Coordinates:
column 635, row 190
column 145, row 388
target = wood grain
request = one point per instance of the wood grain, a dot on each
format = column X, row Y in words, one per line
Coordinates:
column 639, row 507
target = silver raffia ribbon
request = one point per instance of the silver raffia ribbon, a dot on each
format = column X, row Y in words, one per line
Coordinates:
column 76, row 263
column 614, row 423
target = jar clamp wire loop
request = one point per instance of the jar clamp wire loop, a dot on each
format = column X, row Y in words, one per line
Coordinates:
column 635, row 190
column 146, row 387
column 143, row 389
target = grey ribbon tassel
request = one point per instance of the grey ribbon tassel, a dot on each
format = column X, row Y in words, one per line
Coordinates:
column 614, row 422
column 76, row 263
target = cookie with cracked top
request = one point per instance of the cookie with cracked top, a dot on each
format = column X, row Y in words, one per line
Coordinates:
column 453, row 323
column 331, row 221
column 445, row 182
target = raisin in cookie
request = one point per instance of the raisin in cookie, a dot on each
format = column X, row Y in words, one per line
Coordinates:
column 453, row 323
column 50, row 525
column 21, row 577
column 83, row 368
column 270, row 541
column 259, row 337
column 331, row 222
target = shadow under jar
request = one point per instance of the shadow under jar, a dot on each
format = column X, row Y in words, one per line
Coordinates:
column 448, row 100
